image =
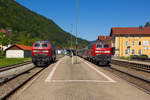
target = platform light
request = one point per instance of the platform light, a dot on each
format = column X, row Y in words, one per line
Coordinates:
column 76, row 27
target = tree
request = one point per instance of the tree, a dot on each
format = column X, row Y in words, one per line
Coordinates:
column 4, row 40
column 147, row 24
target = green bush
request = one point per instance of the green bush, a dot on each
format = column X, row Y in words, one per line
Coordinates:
column 126, row 58
column 2, row 54
column 9, row 61
column 143, row 56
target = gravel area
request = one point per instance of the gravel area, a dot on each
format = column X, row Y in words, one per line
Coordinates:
column 15, row 71
column 129, row 69
column 10, row 85
column 14, row 83
column 133, row 61
column 137, row 82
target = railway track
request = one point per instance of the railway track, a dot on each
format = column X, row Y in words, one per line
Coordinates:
column 11, row 83
column 9, row 72
column 4, row 68
column 134, row 79
column 132, row 65
column 138, row 81
column 14, row 76
column 8, row 88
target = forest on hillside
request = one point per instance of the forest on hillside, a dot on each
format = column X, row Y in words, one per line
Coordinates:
column 28, row 26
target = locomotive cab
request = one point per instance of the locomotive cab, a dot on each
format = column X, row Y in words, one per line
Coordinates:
column 43, row 53
column 102, row 53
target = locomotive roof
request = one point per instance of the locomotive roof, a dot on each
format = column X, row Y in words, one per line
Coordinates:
column 43, row 41
column 93, row 42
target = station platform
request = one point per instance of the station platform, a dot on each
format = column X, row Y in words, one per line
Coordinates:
column 81, row 81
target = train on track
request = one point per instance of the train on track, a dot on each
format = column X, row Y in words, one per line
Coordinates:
column 43, row 53
column 98, row 52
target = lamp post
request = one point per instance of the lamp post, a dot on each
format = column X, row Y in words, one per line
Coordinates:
column 76, row 27
column 71, row 36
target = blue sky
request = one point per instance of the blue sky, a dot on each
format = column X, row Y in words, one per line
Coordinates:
column 95, row 17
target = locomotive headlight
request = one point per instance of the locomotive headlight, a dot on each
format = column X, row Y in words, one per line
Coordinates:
column 35, row 50
column 106, row 51
column 46, row 51
column 98, row 51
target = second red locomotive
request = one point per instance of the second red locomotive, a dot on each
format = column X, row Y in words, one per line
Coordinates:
column 43, row 53
column 98, row 52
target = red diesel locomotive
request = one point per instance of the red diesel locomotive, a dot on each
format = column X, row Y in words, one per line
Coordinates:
column 43, row 53
column 98, row 52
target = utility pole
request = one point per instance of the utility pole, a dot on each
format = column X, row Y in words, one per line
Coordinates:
column 71, row 35
column 71, row 43
column 76, row 27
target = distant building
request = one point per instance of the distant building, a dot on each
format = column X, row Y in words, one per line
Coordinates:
column 104, row 38
column 60, row 50
column 18, row 51
column 8, row 32
column 131, row 40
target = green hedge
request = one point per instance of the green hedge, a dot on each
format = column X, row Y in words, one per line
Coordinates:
column 9, row 61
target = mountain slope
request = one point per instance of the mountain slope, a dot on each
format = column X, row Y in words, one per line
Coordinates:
column 28, row 25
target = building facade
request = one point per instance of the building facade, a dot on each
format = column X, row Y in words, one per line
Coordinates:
column 131, row 41
column 18, row 51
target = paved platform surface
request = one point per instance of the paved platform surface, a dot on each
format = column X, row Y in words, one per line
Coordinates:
column 83, row 81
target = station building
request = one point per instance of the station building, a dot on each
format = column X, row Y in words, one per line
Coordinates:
column 130, row 41
column 18, row 51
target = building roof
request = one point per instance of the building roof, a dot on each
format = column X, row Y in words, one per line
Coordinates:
column 6, row 31
column 130, row 31
column 22, row 47
column 104, row 38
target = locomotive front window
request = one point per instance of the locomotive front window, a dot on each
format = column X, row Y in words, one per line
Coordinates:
column 37, row 45
column 99, row 46
column 44, row 45
column 106, row 46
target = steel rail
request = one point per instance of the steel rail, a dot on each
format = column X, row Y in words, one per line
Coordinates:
column 22, row 84
column 130, row 75
column 30, row 77
column 4, row 68
column 132, row 65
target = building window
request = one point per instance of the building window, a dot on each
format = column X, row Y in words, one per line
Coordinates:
column 126, row 51
column 140, row 43
column 133, row 52
column 126, row 36
column 127, row 43
column 133, row 36
column 132, row 43
column 145, row 43
column 140, row 36
column 140, row 52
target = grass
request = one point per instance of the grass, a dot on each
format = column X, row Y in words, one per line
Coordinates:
column 126, row 58
column 10, row 61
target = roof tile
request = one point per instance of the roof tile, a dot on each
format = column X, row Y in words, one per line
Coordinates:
column 130, row 31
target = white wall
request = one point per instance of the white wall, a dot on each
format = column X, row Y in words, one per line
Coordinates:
column 14, row 54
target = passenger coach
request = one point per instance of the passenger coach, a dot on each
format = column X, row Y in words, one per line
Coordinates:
column 98, row 52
